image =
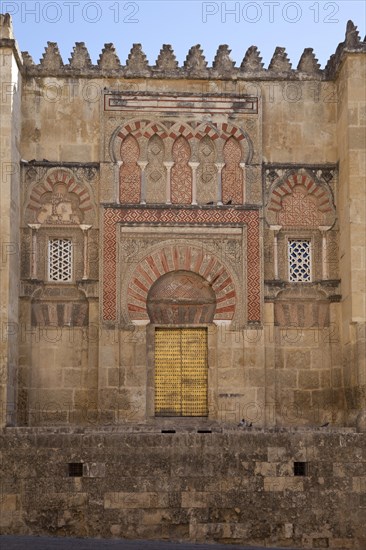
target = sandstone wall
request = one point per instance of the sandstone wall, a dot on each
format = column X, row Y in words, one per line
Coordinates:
column 224, row 486
column 281, row 353
column 10, row 114
column 351, row 90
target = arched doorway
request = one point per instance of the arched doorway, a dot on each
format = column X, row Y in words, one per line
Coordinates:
column 180, row 304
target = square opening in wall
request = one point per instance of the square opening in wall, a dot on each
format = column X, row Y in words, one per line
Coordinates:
column 75, row 469
column 301, row 468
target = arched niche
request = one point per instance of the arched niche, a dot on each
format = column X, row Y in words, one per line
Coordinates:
column 181, row 297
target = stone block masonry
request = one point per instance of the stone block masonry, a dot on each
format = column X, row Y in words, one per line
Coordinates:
column 290, row 488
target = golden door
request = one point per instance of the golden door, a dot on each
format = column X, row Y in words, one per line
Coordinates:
column 181, row 372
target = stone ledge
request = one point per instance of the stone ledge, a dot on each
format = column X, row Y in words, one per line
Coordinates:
column 149, row 428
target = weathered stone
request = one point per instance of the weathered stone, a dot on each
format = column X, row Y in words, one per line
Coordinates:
column 108, row 59
column 166, row 61
column 80, row 58
column 195, row 63
column 308, row 62
column 279, row 62
column 361, row 422
column 137, row 64
column 223, row 64
column 51, row 59
column 252, row 62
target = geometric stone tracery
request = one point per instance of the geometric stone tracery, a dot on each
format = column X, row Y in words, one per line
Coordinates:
column 232, row 174
column 206, row 171
column 299, row 209
column 298, row 201
column 155, row 172
column 60, row 260
column 58, row 200
column 181, row 297
column 130, row 173
column 181, row 173
column 299, row 260
column 113, row 217
column 175, row 259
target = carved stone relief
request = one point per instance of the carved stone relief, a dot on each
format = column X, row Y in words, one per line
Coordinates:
column 181, row 173
column 58, row 196
column 155, row 172
column 206, row 172
column 130, row 173
column 232, row 174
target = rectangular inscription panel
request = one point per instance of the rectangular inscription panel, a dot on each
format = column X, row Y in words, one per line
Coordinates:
column 186, row 103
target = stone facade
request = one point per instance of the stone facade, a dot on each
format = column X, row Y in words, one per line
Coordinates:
column 137, row 199
column 290, row 489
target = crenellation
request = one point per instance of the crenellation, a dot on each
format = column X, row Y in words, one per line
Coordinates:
column 80, row 58
column 280, row 62
column 308, row 63
column 352, row 43
column 166, row 62
column 252, row 62
column 352, row 40
column 27, row 60
column 6, row 27
column 195, row 64
column 137, row 64
column 108, row 59
column 51, row 59
column 223, row 65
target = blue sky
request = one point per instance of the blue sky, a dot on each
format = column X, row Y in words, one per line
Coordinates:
column 266, row 24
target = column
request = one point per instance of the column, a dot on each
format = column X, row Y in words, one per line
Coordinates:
column 85, row 229
column 168, row 165
column 117, row 171
column 323, row 230
column 242, row 166
column 220, row 166
column 33, row 259
column 275, row 229
column 194, row 166
column 143, row 164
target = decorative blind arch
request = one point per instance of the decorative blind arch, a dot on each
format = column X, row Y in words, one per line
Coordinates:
column 232, row 174
column 130, row 173
column 298, row 201
column 58, row 199
column 178, row 258
column 181, row 297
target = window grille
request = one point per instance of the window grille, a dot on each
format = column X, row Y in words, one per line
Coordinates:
column 60, row 260
column 299, row 261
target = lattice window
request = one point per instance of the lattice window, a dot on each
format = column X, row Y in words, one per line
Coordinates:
column 60, row 260
column 299, row 260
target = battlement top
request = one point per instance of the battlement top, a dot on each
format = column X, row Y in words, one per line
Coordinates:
column 195, row 65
